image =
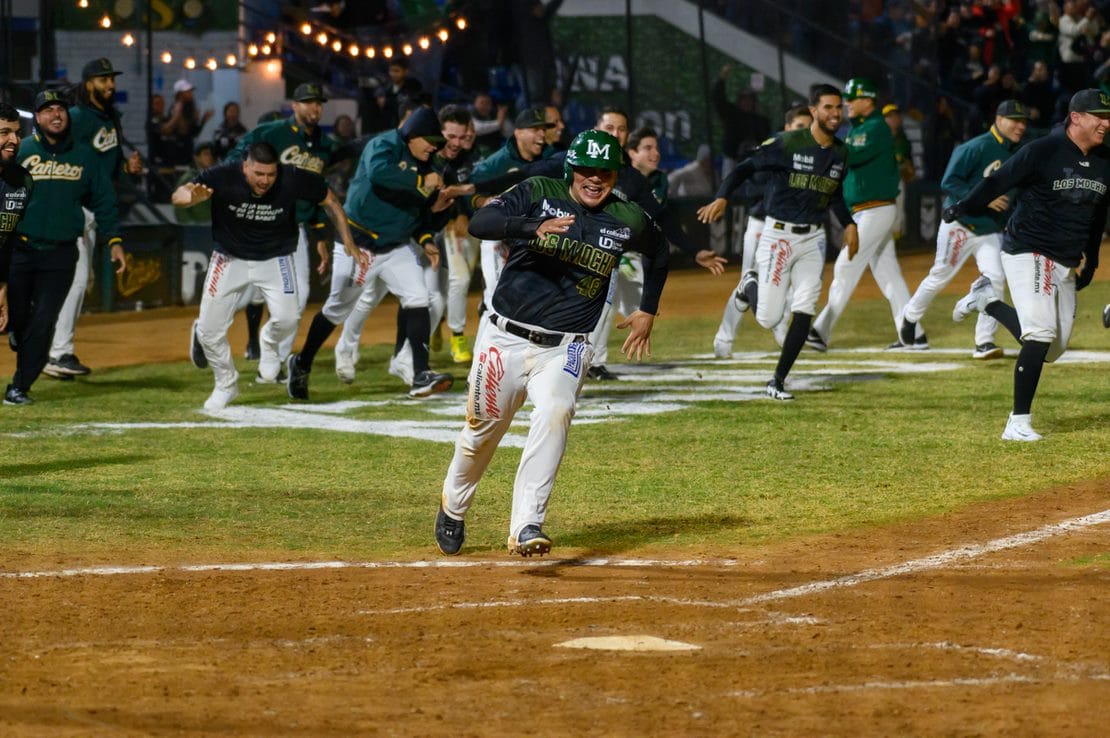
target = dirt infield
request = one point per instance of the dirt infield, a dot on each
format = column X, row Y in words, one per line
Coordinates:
column 1012, row 642
column 988, row 621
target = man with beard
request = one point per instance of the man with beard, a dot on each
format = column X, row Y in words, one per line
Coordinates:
column 44, row 255
column 807, row 169
column 94, row 121
column 16, row 186
column 300, row 142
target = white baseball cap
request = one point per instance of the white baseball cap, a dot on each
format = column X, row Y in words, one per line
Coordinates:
column 182, row 85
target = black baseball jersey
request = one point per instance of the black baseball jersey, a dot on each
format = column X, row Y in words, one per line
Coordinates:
column 15, row 193
column 1062, row 199
column 560, row 282
column 257, row 228
column 805, row 177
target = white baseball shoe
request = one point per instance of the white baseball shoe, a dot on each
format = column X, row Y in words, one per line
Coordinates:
column 401, row 369
column 722, row 350
column 219, row 399
column 345, row 362
column 776, row 391
column 1018, row 428
column 977, row 299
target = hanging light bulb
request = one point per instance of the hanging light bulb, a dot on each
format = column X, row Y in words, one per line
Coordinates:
column 230, row 60
column 322, row 38
column 167, row 57
column 387, row 52
column 252, row 50
column 212, row 65
column 353, row 49
column 370, row 52
column 273, row 67
column 271, row 37
column 461, row 24
column 128, row 40
column 306, row 29
column 265, row 49
column 425, row 42
column 337, row 46
column 190, row 63
column 442, row 34
column 105, row 22
column 407, row 49
column 83, row 4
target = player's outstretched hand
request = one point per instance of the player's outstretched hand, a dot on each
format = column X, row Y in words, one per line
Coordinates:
column 432, row 252
column 555, row 225
column 198, row 193
column 638, row 343
column 999, row 204
column 712, row 212
column 119, row 257
column 709, row 260
column 851, row 239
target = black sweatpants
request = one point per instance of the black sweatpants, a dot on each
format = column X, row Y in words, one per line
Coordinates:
column 38, row 281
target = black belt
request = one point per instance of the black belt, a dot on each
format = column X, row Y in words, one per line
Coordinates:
column 537, row 337
column 779, row 225
column 47, row 241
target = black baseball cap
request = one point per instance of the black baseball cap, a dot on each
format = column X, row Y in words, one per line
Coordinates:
column 1095, row 102
column 101, row 67
column 49, row 97
column 533, row 117
column 308, row 92
column 423, row 123
column 1011, row 109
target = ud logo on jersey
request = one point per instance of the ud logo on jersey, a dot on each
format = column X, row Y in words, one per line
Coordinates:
column 596, row 150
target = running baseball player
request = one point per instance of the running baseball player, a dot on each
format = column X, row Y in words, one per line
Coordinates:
column 752, row 194
column 254, row 234
column 956, row 241
column 870, row 190
column 807, row 169
column 392, row 195
column 66, row 173
column 1050, row 245
column 16, row 187
column 565, row 238
column 94, row 121
column 300, row 142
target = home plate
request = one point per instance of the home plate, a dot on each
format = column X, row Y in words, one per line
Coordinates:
column 628, row 643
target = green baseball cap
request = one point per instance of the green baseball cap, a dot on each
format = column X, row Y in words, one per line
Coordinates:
column 49, row 97
column 1011, row 109
column 860, row 87
column 309, row 92
column 1095, row 102
column 101, row 67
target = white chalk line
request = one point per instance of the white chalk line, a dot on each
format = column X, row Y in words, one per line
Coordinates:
column 873, row 685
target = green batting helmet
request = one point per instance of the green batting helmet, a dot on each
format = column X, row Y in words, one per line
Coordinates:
column 593, row 149
column 860, row 87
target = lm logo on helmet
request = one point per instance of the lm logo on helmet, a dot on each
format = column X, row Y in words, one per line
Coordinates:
column 594, row 149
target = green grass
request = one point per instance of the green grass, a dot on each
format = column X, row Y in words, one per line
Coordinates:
column 713, row 476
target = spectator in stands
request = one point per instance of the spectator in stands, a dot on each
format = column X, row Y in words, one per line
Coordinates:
column 400, row 84
column 342, row 130
column 1077, row 26
column 181, row 129
column 970, row 73
column 535, row 49
column 942, row 132
column 489, row 124
column 987, row 97
column 557, row 138
column 744, row 127
column 1039, row 97
column 903, row 154
column 1041, row 38
column 696, row 179
column 228, row 132
column 160, row 175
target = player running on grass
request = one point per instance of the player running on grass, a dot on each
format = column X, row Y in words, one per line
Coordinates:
column 565, row 239
column 807, row 170
column 1051, row 243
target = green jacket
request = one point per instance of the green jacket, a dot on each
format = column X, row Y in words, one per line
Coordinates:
column 294, row 146
column 872, row 168
column 66, row 177
column 100, row 131
column 971, row 162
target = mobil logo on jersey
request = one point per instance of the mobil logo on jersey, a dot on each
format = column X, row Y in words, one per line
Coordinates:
column 803, row 162
column 549, row 209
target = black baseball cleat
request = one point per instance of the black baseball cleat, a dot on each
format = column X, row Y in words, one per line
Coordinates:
column 815, row 342
column 776, row 391
column 15, row 396
column 297, row 383
column 450, row 533
column 253, row 351
column 601, row 373
column 531, row 541
column 66, row 364
column 427, row 383
column 906, row 332
column 1106, row 317
column 987, row 351
column 196, row 351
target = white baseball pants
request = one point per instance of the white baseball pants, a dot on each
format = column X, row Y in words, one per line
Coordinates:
column 730, row 321
column 461, row 258
column 789, row 266
column 1043, row 292
column 227, row 280
column 62, row 343
column 876, row 250
column 508, row 370
column 955, row 243
column 399, row 270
